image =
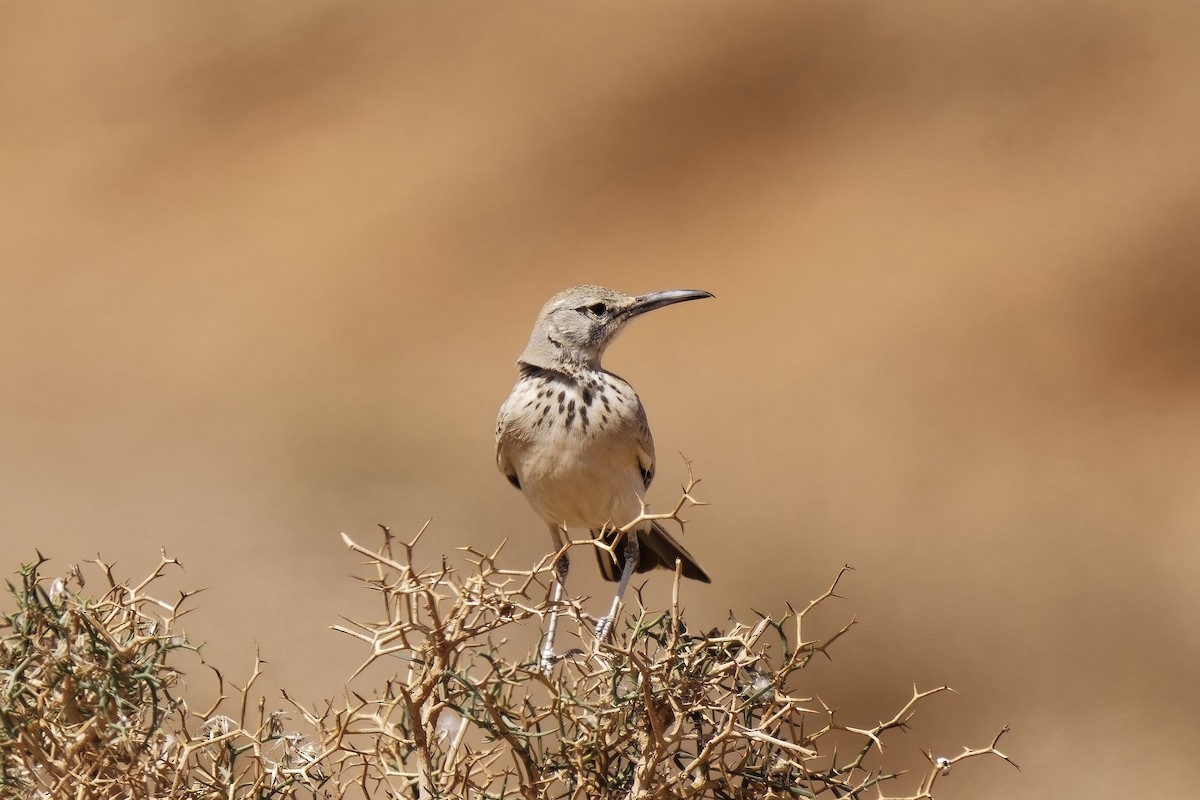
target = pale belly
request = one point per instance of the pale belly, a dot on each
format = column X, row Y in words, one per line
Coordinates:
column 582, row 482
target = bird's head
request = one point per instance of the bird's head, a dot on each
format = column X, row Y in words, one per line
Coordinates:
column 577, row 324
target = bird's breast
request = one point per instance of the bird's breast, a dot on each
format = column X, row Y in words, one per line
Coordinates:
column 574, row 445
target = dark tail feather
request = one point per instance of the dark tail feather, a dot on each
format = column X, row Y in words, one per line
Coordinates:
column 658, row 549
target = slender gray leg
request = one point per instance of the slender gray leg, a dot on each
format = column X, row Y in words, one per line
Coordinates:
column 561, row 567
column 632, row 550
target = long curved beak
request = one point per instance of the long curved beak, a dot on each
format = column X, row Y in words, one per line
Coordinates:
column 649, row 302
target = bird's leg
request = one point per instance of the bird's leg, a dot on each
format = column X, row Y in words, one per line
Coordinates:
column 561, row 566
column 632, row 549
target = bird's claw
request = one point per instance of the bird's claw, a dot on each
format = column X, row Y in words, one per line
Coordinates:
column 549, row 658
column 604, row 629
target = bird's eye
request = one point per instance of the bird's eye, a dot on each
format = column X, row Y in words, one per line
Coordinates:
column 599, row 309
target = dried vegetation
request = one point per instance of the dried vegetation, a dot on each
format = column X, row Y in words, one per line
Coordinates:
column 91, row 701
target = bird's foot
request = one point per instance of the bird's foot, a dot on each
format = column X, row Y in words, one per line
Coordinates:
column 604, row 628
column 548, row 659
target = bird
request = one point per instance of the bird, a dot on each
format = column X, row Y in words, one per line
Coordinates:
column 574, row 439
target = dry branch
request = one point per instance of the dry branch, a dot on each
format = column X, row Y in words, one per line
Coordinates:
column 90, row 704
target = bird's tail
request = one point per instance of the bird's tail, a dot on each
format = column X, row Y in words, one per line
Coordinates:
column 657, row 549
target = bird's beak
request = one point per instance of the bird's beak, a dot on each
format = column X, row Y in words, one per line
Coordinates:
column 648, row 302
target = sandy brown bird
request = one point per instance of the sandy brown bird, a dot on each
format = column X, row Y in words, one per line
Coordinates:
column 573, row 437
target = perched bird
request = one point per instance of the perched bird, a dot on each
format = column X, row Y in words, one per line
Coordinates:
column 573, row 437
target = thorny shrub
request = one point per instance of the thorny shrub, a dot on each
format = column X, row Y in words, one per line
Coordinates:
column 91, row 704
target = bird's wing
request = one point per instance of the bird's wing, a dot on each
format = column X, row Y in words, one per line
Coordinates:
column 502, row 463
column 645, row 448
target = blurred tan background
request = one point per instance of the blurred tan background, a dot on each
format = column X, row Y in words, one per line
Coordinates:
column 267, row 266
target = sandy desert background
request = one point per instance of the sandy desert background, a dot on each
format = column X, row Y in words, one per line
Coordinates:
column 265, row 268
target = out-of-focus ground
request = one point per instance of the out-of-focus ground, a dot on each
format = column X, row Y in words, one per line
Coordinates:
column 266, row 268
